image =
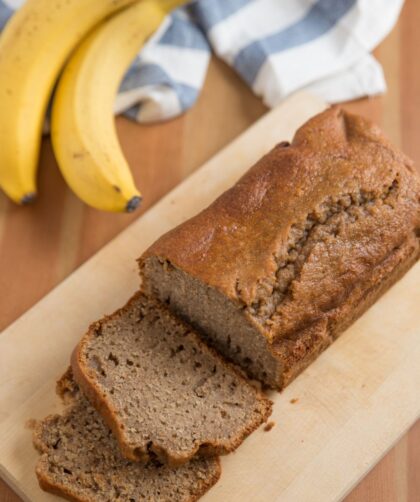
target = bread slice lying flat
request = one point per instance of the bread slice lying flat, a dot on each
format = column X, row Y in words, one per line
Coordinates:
column 276, row 268
column 162, row 391
column 80, row 461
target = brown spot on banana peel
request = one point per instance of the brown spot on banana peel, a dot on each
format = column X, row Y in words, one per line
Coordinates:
column 78, row 155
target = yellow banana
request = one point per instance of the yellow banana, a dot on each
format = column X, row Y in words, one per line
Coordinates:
column 83, row 129
column 33, row 48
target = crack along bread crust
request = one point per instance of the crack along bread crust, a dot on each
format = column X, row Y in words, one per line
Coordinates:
column 162, row 391
column 279, row 265
column 80, row 461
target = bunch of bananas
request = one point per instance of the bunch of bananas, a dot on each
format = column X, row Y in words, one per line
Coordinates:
column 91, row 44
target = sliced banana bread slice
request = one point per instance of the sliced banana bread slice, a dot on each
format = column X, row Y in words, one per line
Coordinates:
column 81, row 461
column 162, row 391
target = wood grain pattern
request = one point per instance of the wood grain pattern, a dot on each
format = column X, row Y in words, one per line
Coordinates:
column 345, row 416
column 41, row 245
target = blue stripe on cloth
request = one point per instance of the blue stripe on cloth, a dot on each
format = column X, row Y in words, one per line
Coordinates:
column 320, row 18
column 183, row 33
column 5, row 14
column 132, row 113
column 210, row 12
column 141, row 75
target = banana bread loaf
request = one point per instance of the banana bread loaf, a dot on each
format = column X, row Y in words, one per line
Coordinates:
column 162, row 391
column 80, row 461
column 279, row 265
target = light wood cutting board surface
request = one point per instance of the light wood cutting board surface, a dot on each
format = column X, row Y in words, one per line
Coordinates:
column 43, row 244
column 332, row 424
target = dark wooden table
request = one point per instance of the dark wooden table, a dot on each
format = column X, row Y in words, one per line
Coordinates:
column 42, row 244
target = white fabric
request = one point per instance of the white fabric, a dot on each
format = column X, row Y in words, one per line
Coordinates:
column 276, row 46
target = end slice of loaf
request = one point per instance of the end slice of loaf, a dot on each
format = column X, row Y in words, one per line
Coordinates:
column 81, row 461
column 281, row 264
column 162, row 391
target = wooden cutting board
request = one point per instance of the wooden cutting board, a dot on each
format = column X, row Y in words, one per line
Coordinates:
column 331, row 425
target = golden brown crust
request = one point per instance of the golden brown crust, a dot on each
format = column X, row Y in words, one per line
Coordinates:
column 309, row 342
column 86, row 379
column 331, row 154
column 341, row 182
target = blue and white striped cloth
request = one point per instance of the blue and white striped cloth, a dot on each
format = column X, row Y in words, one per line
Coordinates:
column 276, row 46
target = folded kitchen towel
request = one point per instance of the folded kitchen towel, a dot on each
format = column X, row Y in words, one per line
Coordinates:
column 276, row 46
